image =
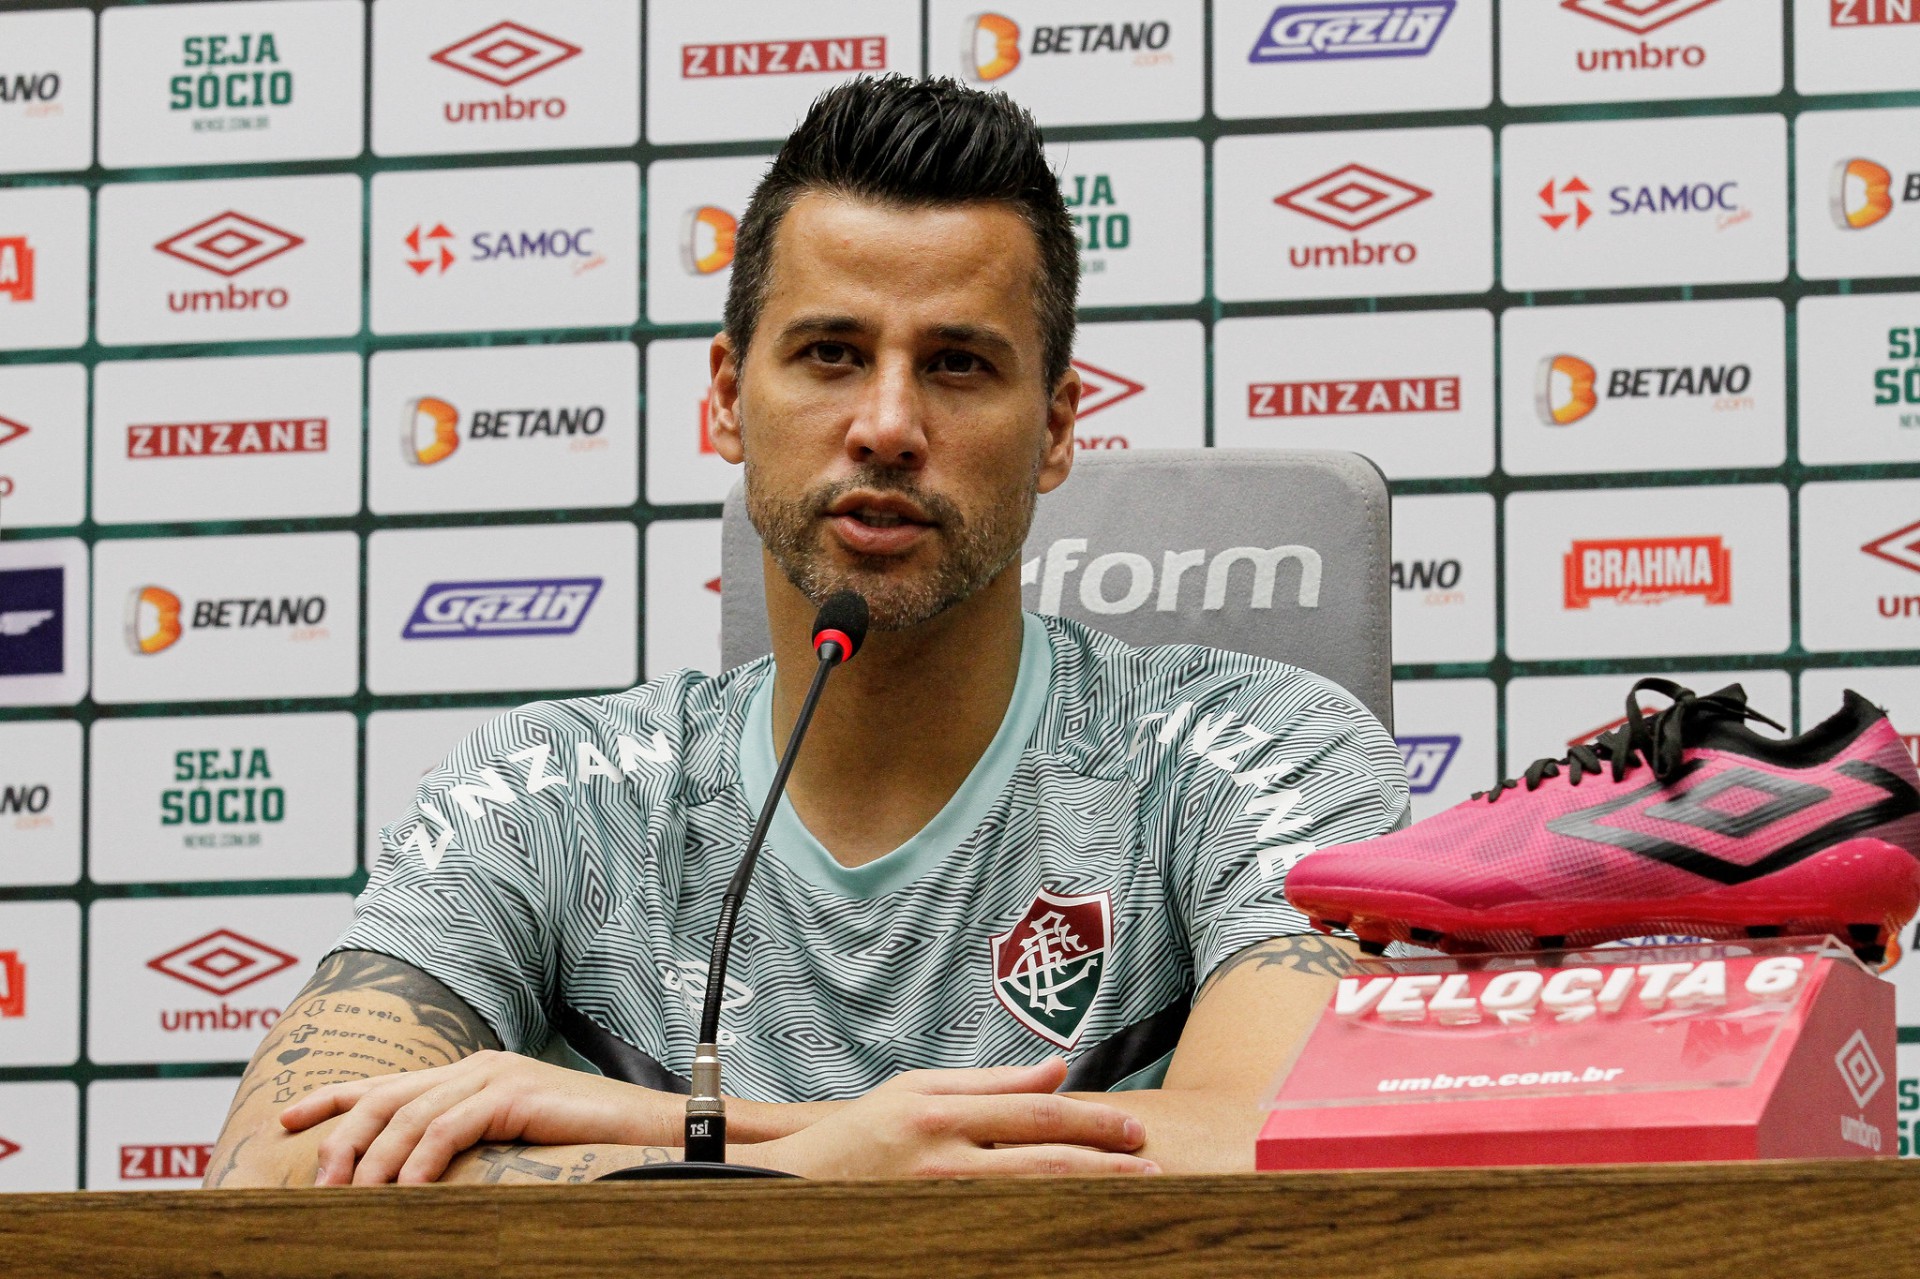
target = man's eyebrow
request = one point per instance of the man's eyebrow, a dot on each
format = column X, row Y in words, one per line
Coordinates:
column 822, row 326
column 975, row 336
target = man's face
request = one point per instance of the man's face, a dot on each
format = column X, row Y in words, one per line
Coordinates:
column 893, row 411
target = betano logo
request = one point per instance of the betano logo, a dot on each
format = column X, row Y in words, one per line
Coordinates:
column 468, row 610
column 153, row 620
column 1051, row 570
column 1861, row 193
column 16, row 268
column 1648, row 570
column 1323, row 32
column 1863, row 13
column 706, row 239
column 990, row 47
column 228, row 439
column 1565, row 386
column 154, row 617
column 1354, row 397
column 1563, row 390
column 431, row 431
column 835, row 55
column 505, row 54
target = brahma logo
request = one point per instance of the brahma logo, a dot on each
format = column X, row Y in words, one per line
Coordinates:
column 13, row 984
column 165, row 1163
column 706, row 239
column 1563, row 392
column 505, row 54
column 836, row 55
column 1051, row 570
column 466, row 610
column 220, row 963
column 990, row 43
column 990, row 47
column 1426, row 759
column 154, row 617
column 1648, row 570
column 228, row 439
column 229, row 244
column 1873, row 13
column 1565, row 386
column 16, row 268
column 430, row 248
column 1352, row 197
column 430, row 432
column 1354, row 397
column 1861, row 193
column 32, row 621
column 1324, row 32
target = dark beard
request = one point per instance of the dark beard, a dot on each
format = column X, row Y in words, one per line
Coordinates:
column 975, row 550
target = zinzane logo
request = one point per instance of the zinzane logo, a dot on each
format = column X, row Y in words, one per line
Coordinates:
column 1354, row 397
column 228, row 439
column 164, row 1163
column 1324, row 32
column 1867, row 13
column 461, row 610
column 1142, row 583
column 841, row 54
column 1648, row 570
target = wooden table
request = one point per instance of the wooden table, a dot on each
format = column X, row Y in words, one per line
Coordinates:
column 1750, row 1221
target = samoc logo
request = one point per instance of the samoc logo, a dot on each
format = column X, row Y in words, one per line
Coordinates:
column 1141, row 583
column 706, row 239
column 990, row 47
column 1862, row 193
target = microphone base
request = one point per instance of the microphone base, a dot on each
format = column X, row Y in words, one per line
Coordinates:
column 683, row 1171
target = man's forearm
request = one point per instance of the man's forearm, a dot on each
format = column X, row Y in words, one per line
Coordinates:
column 1190, row 1131
column 552, row 1165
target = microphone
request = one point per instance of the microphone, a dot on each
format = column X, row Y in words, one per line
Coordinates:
column 839, row 629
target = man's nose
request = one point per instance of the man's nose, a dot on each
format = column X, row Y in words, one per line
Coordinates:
column 889, row 427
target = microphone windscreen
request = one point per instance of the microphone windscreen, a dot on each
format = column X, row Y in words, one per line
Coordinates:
column 845, row 612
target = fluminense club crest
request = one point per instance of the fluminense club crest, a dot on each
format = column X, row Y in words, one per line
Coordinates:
column 1047, row 968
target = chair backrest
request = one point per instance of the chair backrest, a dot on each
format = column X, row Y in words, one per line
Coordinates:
column 1281, row 553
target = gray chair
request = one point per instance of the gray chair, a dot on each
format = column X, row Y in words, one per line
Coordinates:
column 1281, row 553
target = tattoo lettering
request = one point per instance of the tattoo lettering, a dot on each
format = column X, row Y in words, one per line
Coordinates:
column 432, row 1004
column 1310, row 954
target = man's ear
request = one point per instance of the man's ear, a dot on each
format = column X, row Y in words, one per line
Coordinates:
column 723, row 400
column 1061, row 412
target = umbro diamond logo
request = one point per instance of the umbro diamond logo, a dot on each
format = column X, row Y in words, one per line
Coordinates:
column 1902, row 547
column 506, row 53
column 229, row 243
column 1637, row 16
column 1353, row 197
column 222, row 962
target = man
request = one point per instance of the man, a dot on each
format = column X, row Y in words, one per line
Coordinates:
column 1015, row 855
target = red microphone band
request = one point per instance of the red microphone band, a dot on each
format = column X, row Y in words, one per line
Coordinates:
column 834, row 637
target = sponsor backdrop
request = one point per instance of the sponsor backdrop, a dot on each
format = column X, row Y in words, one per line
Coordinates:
column 352, row 387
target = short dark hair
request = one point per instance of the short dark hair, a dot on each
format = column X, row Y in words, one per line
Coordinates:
column 915, row 142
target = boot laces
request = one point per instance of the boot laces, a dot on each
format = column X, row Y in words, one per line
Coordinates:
column 1658, row 740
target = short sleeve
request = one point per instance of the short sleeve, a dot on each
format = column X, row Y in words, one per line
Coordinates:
column 466, row 880
column 1261, row 770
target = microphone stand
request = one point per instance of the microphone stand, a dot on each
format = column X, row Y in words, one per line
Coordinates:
column 705, row 1154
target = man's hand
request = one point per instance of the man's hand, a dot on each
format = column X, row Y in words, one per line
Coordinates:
column 997, row 1122
column 408, row 1127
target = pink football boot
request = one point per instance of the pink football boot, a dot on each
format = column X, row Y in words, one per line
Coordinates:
column 1680, row 821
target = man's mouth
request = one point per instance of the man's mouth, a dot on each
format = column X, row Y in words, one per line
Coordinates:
column 878, row 524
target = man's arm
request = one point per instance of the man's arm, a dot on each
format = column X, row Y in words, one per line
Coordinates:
column 363, row 1022
column 1245, row 1025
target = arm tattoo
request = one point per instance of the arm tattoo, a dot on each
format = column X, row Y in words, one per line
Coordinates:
column 437, row 1008
column 504, row 1160
column 1308, row 953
